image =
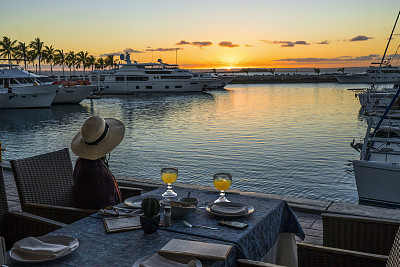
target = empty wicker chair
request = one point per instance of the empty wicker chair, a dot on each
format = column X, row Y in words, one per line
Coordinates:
column 359, row 233
column 313, row 255
column 15, row 225
column 45, row 186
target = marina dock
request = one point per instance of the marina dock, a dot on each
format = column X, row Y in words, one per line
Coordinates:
column 308, row 211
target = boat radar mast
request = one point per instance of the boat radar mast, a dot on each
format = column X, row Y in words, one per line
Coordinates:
column 126, row 58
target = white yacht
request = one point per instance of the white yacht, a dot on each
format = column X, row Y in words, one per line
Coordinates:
column 384, row 74
column 157, row 77
column 31, row 91
column 73, row 92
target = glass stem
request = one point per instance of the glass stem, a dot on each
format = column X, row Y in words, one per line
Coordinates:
column 169, row 187
column 222, row 194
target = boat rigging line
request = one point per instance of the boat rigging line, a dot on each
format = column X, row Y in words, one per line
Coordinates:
column 398, row 90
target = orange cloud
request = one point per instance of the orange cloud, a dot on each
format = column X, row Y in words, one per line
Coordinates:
column 227, row 44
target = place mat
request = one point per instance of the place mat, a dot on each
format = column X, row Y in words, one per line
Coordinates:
column 201, row 250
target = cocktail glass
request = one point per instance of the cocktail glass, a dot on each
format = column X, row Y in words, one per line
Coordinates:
column 222, row 181
column 169, row 176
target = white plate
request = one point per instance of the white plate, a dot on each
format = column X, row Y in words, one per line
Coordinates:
column 145, row 258
column 54, row 239
column 135, row 204
column 250, row 209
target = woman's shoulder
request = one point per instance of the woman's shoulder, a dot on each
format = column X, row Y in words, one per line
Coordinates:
column 88, row 161
column 82, row 163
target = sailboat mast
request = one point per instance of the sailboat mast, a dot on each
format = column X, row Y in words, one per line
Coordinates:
column 398, row 91
column 390, row 38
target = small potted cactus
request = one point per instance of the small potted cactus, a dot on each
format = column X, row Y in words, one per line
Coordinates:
column 150, row 220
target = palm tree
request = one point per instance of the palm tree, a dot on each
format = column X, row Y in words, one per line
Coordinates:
column 60, row 58
column 37, row 46
column 272, row 71
column 71, row 61
column 110, row 61
column 31, row 56
column 21, row 52
column 101, row 63
column 91, row 61
column 49, row 56
column 317, row 70
column 7, row 48
column 83, row 58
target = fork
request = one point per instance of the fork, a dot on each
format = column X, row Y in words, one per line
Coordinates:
column 199, row 226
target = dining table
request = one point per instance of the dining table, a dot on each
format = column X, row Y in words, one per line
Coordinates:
column 270, row 219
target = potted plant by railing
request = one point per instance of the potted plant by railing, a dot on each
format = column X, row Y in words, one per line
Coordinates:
column 150, row 220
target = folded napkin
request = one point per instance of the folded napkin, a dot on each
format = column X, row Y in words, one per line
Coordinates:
column 31, row 246
column 157, row 261
column 229, row 208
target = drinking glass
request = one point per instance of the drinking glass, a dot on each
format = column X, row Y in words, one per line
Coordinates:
column 169, row 175
column 222, row 181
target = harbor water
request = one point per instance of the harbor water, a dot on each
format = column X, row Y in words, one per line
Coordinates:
column 286, row 139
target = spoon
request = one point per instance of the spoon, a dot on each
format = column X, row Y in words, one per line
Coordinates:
column 188, row 196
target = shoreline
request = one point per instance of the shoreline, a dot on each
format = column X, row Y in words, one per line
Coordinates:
column 283, row 78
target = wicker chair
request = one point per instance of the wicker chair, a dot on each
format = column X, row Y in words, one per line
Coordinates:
column 364, row 234
column 45, row 186
column 354, row 241
column 15, row 225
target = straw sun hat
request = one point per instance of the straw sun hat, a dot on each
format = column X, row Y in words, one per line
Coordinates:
column 97, row 137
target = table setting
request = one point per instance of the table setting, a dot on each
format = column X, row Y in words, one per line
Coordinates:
column 263, row 220
column 201, row 216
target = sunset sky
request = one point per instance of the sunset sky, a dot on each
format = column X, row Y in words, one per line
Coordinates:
column 208, row 34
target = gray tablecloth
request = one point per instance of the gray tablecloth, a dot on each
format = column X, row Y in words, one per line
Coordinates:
column 97, row 248
column 270, row 218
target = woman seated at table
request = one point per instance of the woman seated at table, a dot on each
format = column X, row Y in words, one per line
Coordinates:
column 95, row 186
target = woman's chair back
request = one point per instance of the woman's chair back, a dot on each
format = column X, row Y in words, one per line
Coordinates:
column 45, row 178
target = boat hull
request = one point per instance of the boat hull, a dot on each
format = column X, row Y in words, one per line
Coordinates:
column 367, row 79
column 155, row 87
column 5, row 97
column 73, row 94
column 377, row 182
column 39, row 96
column 221, row 82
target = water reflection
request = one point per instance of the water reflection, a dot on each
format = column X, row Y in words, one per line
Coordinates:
column 279, row 138
column 17, row 120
